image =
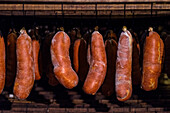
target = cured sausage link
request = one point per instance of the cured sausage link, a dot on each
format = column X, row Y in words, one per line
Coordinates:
column 36, row 48
column 98, row 65
column 2, row 63
column 25, row 77
column 124, row 66
column 152, row 59
column 60, row 58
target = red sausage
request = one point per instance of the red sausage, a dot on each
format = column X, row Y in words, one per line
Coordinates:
column 80, row 63
column 76, row 55
column 98, row 65
column 47, row 63
column 2, row 63
column 36, row 48
column 11, row 61
column 25, row 77
column 152, row 59
column 124, row 66
column 60, row 58
column 136, row 73
column 108, row 87
column 88, row 54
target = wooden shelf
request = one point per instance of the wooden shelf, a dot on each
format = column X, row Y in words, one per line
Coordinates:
column 80, row 7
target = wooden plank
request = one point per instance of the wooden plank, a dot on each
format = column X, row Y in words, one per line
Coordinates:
column 83, row 7
column 78, row 7
column 42, row 7
column 84, row 13
column 11, row 6
column 88, row 0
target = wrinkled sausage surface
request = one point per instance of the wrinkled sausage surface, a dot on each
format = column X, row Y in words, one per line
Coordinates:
column 61, row 60
column 124, row 66
column 25, row 77
column 98, row 64
column 152, row 59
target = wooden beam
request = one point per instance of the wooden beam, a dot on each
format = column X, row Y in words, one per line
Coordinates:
column 83, row 7
column 92, row 1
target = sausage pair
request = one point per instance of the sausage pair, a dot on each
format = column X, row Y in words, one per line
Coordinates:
column 62, row 64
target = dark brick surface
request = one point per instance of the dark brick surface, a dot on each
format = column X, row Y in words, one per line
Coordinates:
column 138, row 109
column 91, row 110
column 119, row 110
column 57, row 110
column 76, row 109
column 156, row 109
column 74, row 101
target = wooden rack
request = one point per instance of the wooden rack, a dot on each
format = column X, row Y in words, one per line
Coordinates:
column 85, row 7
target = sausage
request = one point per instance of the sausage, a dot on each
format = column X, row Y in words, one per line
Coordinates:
column 98, row 65
column 88, row 54
column 11, row 61
column 76, row 55
column 2, row 63
column 36, row 48
column 136, row 73
column 61, row 61
column 108, row 87
column 152, row 59
column 79, row 58
column 47, row 62
column 124, row 66
column 25, row 77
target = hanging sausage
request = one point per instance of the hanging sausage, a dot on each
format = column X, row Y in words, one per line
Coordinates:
column 25, row 77
column 124, row 66
column 47, row 62
column 11, row 60
column 2, row 63
column 36, row 49
column 79, row 58
column 108, row 87
column 60, row 58
column 98, row 64
column 136, row 72
column 152, row 59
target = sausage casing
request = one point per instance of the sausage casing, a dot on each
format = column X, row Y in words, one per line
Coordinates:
column 136, row 73
column 2, row 63
column 108, row 87
column 11, row 61
column 25, row 77
column 98, row 65
column 80, row 63
column 152, row 59
column 124, row 66
column 60, row 58
column 36, row 48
